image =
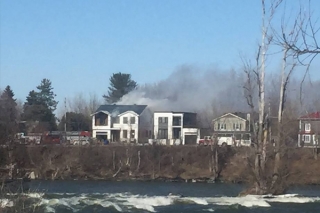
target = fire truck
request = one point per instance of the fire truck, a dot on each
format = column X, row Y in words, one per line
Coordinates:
column 60, row 137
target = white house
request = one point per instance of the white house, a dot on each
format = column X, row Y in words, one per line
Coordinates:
column 175, row 128
column 125, row 123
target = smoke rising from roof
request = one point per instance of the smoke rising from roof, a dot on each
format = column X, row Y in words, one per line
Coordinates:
column 191, row 89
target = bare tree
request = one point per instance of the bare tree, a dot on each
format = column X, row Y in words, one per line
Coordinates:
column 267, row 181
column 301, row 39
column 84, row 104
column 256, row 78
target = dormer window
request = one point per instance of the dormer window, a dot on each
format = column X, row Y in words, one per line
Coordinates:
column 307, row 127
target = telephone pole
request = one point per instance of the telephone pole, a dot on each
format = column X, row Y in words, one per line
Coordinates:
column 65, row 119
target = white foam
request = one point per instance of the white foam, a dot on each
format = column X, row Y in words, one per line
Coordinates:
column 196, row 200
column 148, row 203
column 247, row 201
column 291, row 198
column 49, row 209
column 5, row 203
column 122, row 202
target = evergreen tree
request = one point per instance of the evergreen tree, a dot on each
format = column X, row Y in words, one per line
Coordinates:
column 120, row 85
column 46, row 95
column 8, row 116
column 40, row 106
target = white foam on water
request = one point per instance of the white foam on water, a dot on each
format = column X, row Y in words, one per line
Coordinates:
column 193, row 200
column 49, row 209
column 122, row 202
column 102, row 202
column 291, row 198
column 106, row 204
column 148, row 203
column 247, row 201
column 5, row 203
column 34, row 195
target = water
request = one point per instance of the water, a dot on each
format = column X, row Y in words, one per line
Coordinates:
column 103, row 197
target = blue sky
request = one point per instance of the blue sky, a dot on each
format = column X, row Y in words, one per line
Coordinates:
column 78, row 44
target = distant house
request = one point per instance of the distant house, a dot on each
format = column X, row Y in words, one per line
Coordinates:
column 175, row 128
column 122, row 123
column 233, row 129
column 309, row 130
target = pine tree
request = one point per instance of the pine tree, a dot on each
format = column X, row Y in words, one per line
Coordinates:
column 40, row 106
column 120, row 85
column 8, row 116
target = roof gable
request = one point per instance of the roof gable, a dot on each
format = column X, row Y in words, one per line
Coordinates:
column 237, row 115
column 314, row 115
column 115, row 110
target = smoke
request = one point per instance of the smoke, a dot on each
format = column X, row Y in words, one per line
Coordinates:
column 192, row 89
column 115, row 113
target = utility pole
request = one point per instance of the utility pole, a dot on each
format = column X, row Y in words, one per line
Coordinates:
column 65, row 119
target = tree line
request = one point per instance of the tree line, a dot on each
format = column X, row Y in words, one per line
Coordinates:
column 38, row 112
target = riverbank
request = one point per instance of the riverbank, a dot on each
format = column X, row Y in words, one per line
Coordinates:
column 175, row 163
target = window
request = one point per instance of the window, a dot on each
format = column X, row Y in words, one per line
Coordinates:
column 176, row 121
column 124, row 133
column 125, row 120
column 101, row 119
column 306, row 138
column 163, row 134
column 176, row 133
column 132, row 120
column 222, row 126
column 163, row 120
column 307, row 127
column 132, row 133
column 237, row 126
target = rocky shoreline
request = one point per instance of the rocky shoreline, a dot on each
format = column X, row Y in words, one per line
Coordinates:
column 150, row 163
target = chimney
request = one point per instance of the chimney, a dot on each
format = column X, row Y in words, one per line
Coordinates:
column 248, row 116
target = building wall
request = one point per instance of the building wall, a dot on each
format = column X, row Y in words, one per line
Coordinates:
column 142, row 124
column 128, row 127
column 228, row 122
column 170, row 140
column 309, row 137
column 100, row 128
column 169, row 125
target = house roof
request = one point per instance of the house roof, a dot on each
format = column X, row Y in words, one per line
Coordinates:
column 175, row 112
column 240, row 115
column 115, row 109
column 314, row 115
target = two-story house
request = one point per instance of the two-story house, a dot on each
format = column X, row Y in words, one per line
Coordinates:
column 174, row 128
column 233, row 129
column 309, row 130
column 122, row 123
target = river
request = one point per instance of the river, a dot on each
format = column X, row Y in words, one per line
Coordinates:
column 103, row 197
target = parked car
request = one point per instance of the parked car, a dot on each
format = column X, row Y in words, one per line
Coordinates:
column 81, row 142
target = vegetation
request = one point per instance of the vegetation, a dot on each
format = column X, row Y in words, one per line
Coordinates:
column 120, row 85
column 8, row 115
column 266, row 180
column 75, row 122
column 40, row 107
